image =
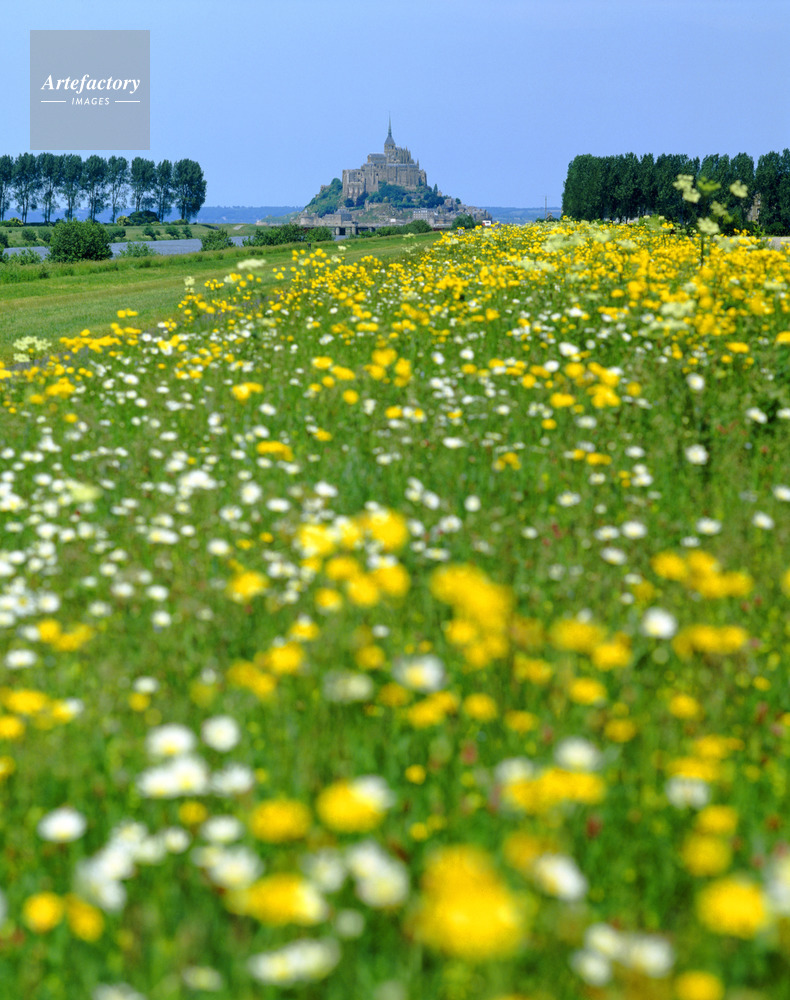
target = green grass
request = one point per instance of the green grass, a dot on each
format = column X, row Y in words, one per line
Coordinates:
column 87, row 295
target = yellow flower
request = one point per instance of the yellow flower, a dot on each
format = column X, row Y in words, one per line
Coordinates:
column 670, row 566
column 481, row 707
column 550, row 789
column 393, row 695
column 703, row 855
column 521, row 722
column 84, row 920
column 276, row 449
column 280, row 899
column 247, row 585
column 466, row 911
column 721, row 820
column 49, row 630
column 387, row 528
column 192, row 813
column 683, row 706
column 611, row 655
column 620, row 730
column 362, row 591
column 284, row 659
column 734, row 906
column 243, row 391
column 43, row 911
column 698, row 985
column 392, row 579
column 279, row 821
column 11, row 727
column 586, row 691
column 328, row 600
column 576, row 636
column 355, row 806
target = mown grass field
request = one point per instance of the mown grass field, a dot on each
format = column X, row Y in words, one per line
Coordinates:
column 406, row 629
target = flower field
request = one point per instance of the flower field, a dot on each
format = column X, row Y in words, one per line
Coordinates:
column 417, row 632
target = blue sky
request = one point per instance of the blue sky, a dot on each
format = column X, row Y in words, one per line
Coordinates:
column 494, row 97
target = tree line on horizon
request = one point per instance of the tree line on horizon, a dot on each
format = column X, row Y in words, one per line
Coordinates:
column 51, row 181
column 627, row 186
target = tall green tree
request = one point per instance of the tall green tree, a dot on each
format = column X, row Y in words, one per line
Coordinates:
column 189, row 188
column 573, row 190
column 628, row 192
column 71, row 182
column 117, row 180
column 6, row 182
column 26, row 183
column 584, row 192
column 647, row 185
column 163, row 189
column 669, row 200
column 141, row 180
column 784, row 191
column 743, row 170
column 767, row 181
column 94, row 185
column 49, row 170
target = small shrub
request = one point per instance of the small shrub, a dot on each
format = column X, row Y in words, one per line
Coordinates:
column 289, row 233
column 141, row 218
column 28, row 235
column 173, row 232
column 115, row 233
column 79, row 241
column 45, row 235
column 149, row 231
column 218, row 239
column 3, row 239
column 26, row 256
column 123, row 220
column 138, row 250
column 187, row 232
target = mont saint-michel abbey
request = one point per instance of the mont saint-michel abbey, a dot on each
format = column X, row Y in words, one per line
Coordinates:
column 358, row 214
column 394, row 166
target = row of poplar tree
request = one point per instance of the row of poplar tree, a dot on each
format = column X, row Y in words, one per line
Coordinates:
column 49, row 182
column 628, row 186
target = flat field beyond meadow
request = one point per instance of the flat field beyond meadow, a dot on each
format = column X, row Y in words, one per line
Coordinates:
column 408, row 629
